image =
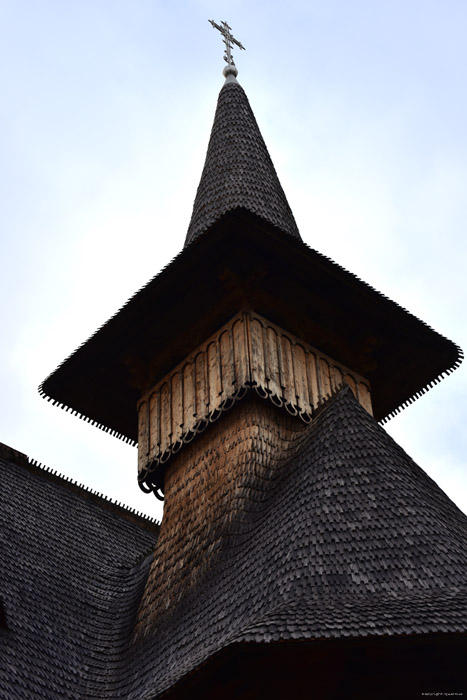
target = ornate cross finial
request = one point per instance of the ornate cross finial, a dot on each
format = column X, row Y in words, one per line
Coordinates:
column 229, row 41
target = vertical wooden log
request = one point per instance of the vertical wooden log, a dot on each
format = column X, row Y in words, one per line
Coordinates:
column 325, row 378
column 188, row 397
column 288, row 379
column 166, row 418
column 351, row 382
column 214, row 376
column 154, row 424
column 227, row 363
column 336, row 378
column 177, row 406
column 364, row 397
column 312, row 378
column 257, row 353
column 273, row 375
column 201, row 386
column 241, row 361
column 301, row 382
column 143, row 436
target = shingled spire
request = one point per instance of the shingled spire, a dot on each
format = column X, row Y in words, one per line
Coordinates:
column 238, row 171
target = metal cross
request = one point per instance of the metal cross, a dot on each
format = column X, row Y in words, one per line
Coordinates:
column 229, row 41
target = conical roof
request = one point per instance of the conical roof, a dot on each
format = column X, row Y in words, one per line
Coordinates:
column 238, row 171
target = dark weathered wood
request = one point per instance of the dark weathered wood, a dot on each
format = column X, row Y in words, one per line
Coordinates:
column 351, row 382
column 257, row 352
column 325, row 379
column 272, row 361
column 177, row 405
column 302, row 392
column 214, row 386
column 364, row 396
column 288, row 375
column 336, row 378
column 201, row 386
column 227, row 363
column 188, row 395
column 240, row 345
column 143, row 433
column 154, row 425
column 166, row 417
column 312, row 377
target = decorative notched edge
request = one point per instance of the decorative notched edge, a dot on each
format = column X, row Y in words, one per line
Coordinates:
column 442, row 375
column 32, row 464
column 73, row 412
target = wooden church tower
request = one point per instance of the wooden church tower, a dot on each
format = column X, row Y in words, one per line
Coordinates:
column 301, row 551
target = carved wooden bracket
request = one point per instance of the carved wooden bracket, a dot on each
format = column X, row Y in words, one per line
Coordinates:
column 248, row 352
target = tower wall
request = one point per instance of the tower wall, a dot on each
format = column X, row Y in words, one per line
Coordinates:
column 209, row 488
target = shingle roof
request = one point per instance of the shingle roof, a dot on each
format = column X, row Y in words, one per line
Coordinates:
column 238, row 171
column 351, row 540
column 71, row 574
column 282, row 279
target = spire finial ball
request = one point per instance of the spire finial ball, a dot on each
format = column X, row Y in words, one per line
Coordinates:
column 230, row 72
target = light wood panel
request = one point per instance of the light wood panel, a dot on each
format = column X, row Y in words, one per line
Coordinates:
column 247, row 353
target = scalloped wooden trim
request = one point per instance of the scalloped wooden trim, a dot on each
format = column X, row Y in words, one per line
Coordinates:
column 248, row 352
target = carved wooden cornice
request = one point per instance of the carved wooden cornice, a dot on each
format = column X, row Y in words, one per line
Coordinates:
column 247, row 353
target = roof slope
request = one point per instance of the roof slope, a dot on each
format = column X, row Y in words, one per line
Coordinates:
column 282, row 279
column 71, row 575
column 238, row 171
column 352, row 539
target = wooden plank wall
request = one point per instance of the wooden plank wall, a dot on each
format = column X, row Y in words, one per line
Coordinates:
column 248, row 352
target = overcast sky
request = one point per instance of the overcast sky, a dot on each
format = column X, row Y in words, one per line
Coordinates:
column 105, row 113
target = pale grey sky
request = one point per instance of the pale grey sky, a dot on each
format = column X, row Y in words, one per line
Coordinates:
column 105, row 115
